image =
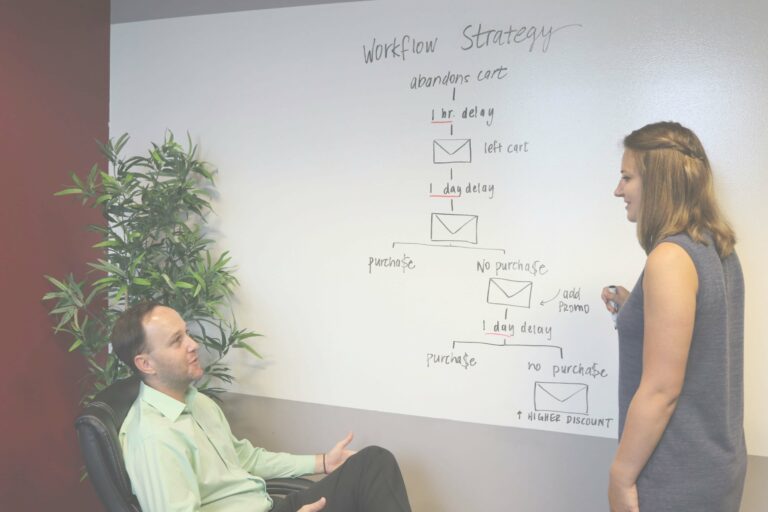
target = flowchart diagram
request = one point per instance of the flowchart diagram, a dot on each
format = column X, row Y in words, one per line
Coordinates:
column 513, row 297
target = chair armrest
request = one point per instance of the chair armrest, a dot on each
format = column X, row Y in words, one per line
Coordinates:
column 285, row 486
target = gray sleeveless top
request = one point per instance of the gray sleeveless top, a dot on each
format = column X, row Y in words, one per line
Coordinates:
column 700, row 461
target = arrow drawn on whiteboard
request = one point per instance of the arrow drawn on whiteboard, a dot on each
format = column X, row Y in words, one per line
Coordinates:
column 550, row 300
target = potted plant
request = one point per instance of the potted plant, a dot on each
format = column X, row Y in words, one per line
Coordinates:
column 156, row 248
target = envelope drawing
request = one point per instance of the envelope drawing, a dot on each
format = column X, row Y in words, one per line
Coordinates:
column 454, row 227
column 567, row 397
column 451, row 151
column 507, row 292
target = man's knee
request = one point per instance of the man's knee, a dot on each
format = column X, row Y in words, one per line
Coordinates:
column 377, row 455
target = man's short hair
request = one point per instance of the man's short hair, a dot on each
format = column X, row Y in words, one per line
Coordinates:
column 128, row 336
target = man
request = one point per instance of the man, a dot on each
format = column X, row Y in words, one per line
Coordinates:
column 181, row 455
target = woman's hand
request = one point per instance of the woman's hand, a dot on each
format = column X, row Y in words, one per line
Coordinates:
column 620, row 297
column 622, row 494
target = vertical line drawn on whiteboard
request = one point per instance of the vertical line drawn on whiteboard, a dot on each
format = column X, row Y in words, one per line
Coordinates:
column 507, row 292
column 452, row 151
column 505, row 344
column 565, row 397
column 453, row 227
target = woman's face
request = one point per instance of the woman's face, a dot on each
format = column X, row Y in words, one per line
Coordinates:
column 630, row 186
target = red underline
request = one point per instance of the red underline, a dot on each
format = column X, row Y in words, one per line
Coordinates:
column 499, row 334
column 436, row 195
column 442, row 122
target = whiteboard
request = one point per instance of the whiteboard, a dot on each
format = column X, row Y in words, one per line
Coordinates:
column 419, row 196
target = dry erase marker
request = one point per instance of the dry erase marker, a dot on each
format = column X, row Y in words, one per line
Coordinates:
column 615, row 305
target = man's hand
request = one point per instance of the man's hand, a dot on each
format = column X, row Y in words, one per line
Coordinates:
column 313, row 507
column 338, row 454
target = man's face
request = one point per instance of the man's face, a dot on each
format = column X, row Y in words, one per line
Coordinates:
column 170, row 355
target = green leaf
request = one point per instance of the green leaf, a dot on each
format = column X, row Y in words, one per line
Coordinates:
column 62, row 309
column 102, row 198
column 58, row 284
column 107, row 243
column 108, row 180
column 76, row 344
column 52, row 295
column 120, row 293
column 92, row 362
column 141, row 281
column 120, row 142
column 242, row 344
column 198, row 278
column 66, row 317
column 184, row 284
column 102, row 286
column 76, row 180
column 107, row 267
column 244, row 335
column 167, row 280
column 105, row 280
column 68, row 192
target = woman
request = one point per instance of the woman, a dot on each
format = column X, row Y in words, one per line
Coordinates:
column 681, row 436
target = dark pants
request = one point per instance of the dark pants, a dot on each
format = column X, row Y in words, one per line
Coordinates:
column 369, row 481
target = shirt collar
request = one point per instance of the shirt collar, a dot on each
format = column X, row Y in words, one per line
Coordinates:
column 168, row 406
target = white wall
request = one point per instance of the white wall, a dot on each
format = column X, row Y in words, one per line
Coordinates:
column 326, row 161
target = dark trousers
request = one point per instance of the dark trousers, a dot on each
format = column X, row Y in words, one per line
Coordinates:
column 369, row 481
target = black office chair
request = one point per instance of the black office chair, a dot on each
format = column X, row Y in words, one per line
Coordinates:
column 97, row 430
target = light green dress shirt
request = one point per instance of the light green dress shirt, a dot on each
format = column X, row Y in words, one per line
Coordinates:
column 183, row 457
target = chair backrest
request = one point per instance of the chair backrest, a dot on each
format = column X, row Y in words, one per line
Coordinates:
column 97, row 430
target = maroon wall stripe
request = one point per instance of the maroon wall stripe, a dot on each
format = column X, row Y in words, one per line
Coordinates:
column 54, row 103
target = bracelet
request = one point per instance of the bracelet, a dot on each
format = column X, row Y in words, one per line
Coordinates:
column 325, row 471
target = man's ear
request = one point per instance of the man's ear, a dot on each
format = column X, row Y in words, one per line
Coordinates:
column 143, row 364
